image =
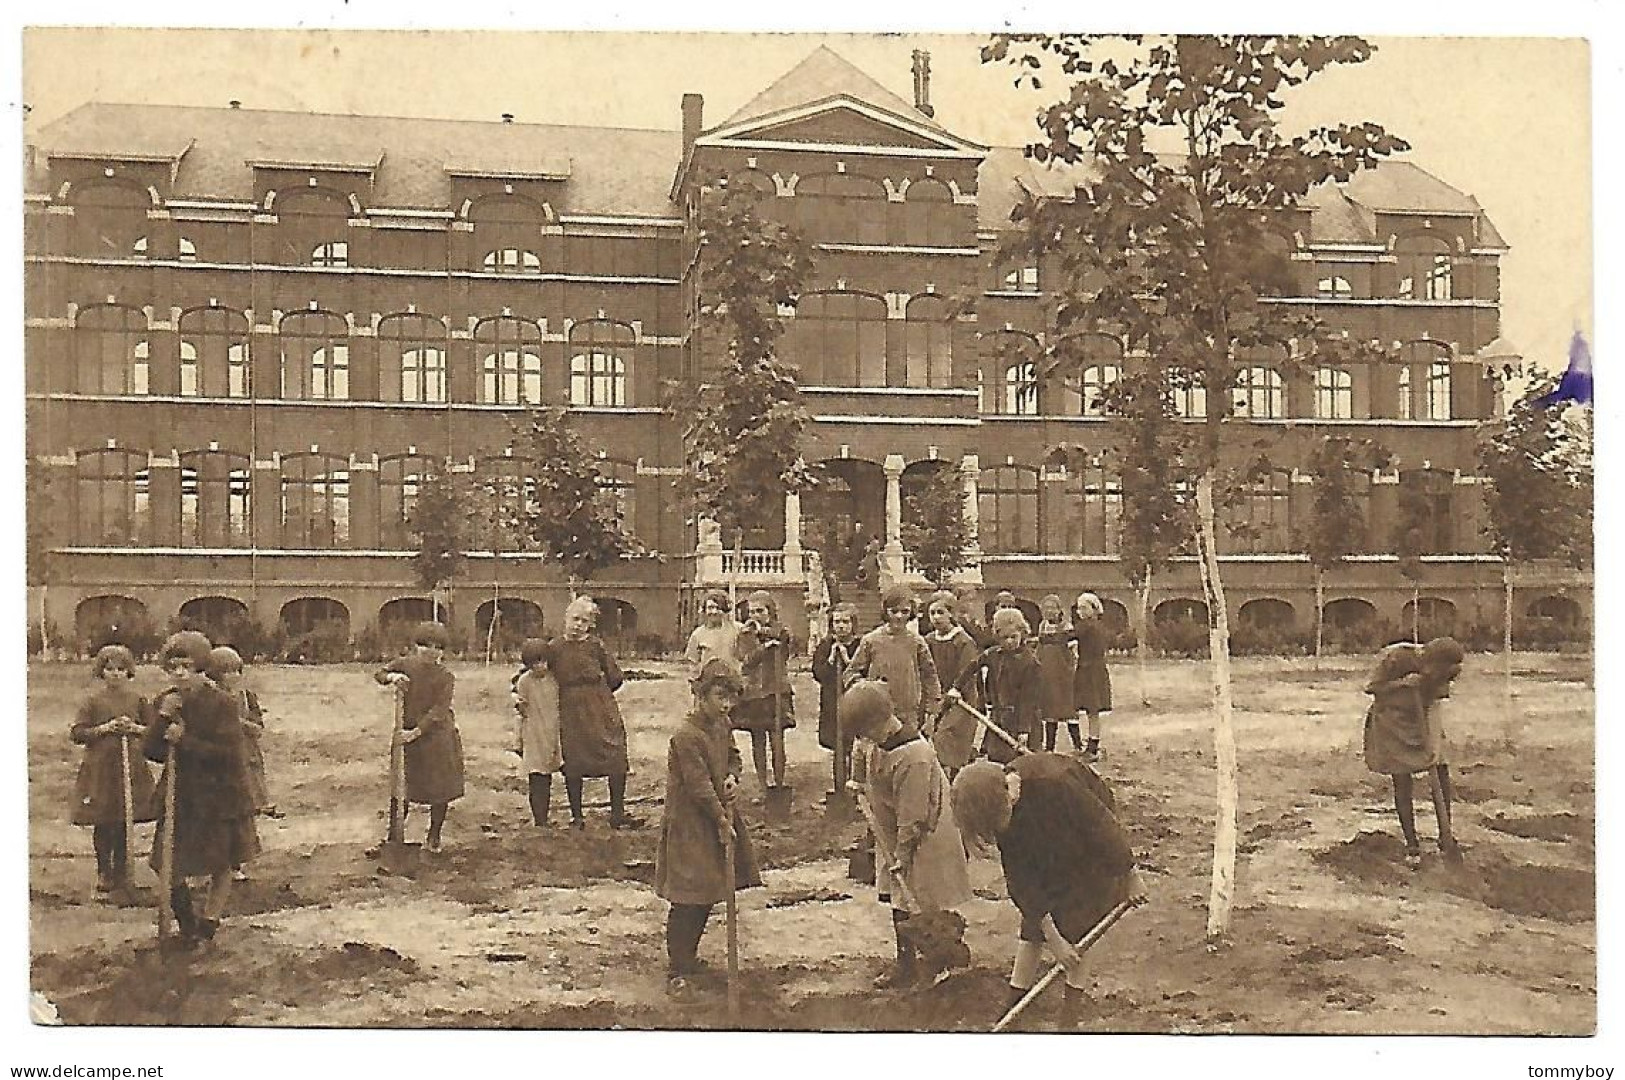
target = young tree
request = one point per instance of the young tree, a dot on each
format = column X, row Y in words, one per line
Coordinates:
column 564, row 509
column 441, row 523
column 1337, row 517
column 1539, row 496
column 743, row 413
column 40, row 497
column 1177, row 253
column 934, row 524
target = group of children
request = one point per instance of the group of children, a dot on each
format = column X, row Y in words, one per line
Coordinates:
column 203, row 727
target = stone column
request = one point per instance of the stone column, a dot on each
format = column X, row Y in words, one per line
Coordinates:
column 891, row 556
column 793, row 562
column 970, row 470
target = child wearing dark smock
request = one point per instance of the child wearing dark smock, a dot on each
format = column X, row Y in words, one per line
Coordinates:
column 227, row 673
column 831, row 657
column 1442, row 660
column 1008, row 680
column 1058, row 667
column 536, row 707
column 954, row 652
column 592, row 733
column 1067, row 860
column 1399, row 742
column 700, row 811
column 1092, row 685
column 763, row 649
column 913, row 819
column 433, row 747
column 199, row 723
column 110, row 725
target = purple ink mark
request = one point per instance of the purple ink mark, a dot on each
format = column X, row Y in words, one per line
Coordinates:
column 1575, row 386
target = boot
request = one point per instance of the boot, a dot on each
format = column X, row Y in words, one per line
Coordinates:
column 541, row 797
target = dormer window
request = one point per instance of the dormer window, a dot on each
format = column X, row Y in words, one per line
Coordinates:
column 139, row 248
column 511, row 261
column 188, row 250
column 332, row 254
column 1022, row 279
column 1337, row 288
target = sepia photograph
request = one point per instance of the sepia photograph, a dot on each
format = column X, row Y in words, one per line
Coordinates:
column 937, row 532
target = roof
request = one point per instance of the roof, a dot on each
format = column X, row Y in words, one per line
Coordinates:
column 611, row 170
column 822, row 76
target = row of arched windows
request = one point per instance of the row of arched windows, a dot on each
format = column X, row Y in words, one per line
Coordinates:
column 114, row 356
column 844, row 208
column 113, row 498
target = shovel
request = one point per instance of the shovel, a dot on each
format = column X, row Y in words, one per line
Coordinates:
column 984, row 722
column 397, row 856
column 126, row 885
column 1106, row 922
column 733, row 912
column 166, row 854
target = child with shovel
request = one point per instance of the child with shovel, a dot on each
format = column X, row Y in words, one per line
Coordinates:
column 198, row 733
column 1067, row 861
column 701, row 821
column 433, row 748
column 763, row 648
column 921, row 869
column 114, row 786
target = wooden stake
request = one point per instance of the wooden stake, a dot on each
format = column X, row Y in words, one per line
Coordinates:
column 733, row 912
column 166, row 850
column 129, row 805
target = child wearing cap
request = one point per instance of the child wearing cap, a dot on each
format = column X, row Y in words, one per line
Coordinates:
column 702, row 777
column 894, row 653
column 592, row 733
column 433, row 749
column 1092, row 685
column 913, row 820
column 109, row 725
column 213, row 829
column 1067, row 860
column 536, row 705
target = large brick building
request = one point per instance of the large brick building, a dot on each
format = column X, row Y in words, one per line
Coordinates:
column 250, row 334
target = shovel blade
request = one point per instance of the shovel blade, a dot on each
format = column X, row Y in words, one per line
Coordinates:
column 400, row 858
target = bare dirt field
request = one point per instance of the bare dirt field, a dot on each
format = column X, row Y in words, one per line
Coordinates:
column 513, row 926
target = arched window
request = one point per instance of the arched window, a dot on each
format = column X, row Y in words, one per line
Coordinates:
column 1259, row 521
column 509, row 500
column 1424, row 268
column 1190, row 401
column 1431, row 361
column 315, row 357
column 139, row 248
column 1022, row 278
column 108, row 220
column 598, row 351
column 1007, row 501
column 1020, row 389
column 111, row 350
column 141, row 368
column 751, row 180
column 927, row 216
column 508, row 234
column 1082, row 367
column 839, row 208
column 111, row 493
column 217, row 340
column 1425, row 506
column 187, row 250
column 1089, row 519
column 929, row 357
column 1438, row 396
column 215, row 507
column 1407, row 407
column 618, row 481
column 1259, row 394
column 400, row 480
column 510, row 352
column 311, row 228
column 412, row 358
column 190, row 383
column 1334, row 394
column 315, row 501
column 1097, row 379
column 839, row 339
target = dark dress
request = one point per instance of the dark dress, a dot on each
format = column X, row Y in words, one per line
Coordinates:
column 434, row 761
column 1058, row 668
column 591, row 730
column 254, row 730
column 98, row 793
column 689, row 866
column 214, row 815
column 1064, row 853
column 955, row 733
column 763, row 656
column 829, row 679
column 1009, row 682
column 1092, row 685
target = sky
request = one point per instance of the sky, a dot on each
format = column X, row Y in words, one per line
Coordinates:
column 1506, row 120
column 1506, row 117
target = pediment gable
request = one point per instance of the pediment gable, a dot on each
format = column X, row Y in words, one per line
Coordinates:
column 842, row 122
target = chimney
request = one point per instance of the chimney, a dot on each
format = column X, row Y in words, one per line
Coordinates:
column 922, row 82
column 507, row 118
column 235, row 104
column 693, row 119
